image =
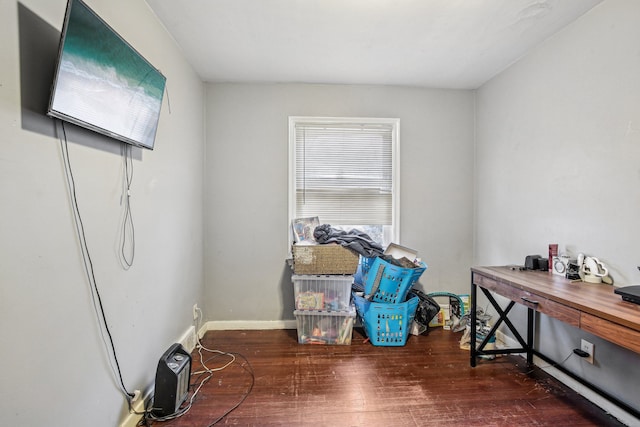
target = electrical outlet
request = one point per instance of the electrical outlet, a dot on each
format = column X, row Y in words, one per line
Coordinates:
column 587, row 347
column 195, row 311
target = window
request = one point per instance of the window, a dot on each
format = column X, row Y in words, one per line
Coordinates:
column 344, row 171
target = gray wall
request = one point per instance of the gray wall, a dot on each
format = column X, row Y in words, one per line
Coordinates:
column 558, row 161
column 246, row 186
column 56, row 370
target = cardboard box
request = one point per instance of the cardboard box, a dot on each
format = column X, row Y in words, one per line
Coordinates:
column 398, row 252
column 466, row 303
column 324, row 259
column 442, row 318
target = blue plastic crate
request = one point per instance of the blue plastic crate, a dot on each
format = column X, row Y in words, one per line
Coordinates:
column 386, row 324
column 363, row 268
column 386, row 282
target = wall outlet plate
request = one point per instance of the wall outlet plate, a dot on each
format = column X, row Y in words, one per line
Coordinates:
column 588, row 348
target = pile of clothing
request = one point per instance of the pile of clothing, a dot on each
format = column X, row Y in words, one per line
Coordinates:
column 355, row 240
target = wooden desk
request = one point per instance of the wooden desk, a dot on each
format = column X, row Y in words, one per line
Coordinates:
column 594, row 308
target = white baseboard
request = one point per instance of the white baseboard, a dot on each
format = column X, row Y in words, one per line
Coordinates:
column 132, row 419
column 595, row 398
column 504, row 340
column 188, row 339
column 229, row 325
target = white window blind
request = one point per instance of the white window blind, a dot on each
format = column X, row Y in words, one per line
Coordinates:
column 344, row 170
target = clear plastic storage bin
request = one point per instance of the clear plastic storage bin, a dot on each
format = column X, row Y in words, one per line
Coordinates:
column 322, row 292
column 325, row 327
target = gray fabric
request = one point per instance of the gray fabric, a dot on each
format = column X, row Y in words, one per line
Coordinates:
column 355, row 240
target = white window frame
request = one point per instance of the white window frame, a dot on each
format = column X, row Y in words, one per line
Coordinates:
column 395, row 162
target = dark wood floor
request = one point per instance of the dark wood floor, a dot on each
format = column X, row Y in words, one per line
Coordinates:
column 426, row 382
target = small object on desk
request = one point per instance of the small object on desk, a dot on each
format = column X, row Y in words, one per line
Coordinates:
column 531, row 262
column 543, row 264
column 573, row 271
column 629, row 293
column 559, row 265
column 553, row 252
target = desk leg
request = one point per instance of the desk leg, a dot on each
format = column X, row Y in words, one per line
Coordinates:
column 526, row 346
column 530, row 321
column 472, row 317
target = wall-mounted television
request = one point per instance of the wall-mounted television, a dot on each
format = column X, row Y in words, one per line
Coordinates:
column 102, row 83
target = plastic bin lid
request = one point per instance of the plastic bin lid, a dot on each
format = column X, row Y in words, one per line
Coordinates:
column 398, row 251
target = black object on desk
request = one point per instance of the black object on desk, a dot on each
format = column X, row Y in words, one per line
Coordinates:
column 629, row 293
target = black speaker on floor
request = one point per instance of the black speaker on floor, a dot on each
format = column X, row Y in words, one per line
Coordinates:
column 172, row 380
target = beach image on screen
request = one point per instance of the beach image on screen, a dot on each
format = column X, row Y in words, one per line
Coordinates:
column 104, row 82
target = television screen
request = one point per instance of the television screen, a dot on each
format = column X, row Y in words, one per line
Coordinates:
column 102, row 83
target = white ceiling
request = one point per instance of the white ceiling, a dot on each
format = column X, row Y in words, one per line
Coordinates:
column 429, row 43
